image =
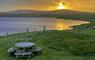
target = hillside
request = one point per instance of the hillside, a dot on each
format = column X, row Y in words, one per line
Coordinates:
column 72, row 14
column 78, row 44
column 66, row 14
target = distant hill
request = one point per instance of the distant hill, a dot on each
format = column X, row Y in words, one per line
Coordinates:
column 67, row 14
column 72, row 14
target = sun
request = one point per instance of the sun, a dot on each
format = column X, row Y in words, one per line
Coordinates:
column 61, row 5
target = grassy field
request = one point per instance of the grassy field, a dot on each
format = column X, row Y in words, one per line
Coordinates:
column 78, row 44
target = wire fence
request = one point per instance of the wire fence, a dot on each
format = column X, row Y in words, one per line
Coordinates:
column 32, row 28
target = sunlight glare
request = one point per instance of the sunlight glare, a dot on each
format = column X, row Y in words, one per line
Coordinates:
column 61, row 5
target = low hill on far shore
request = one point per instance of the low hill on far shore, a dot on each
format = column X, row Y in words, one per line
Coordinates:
column 66, row 14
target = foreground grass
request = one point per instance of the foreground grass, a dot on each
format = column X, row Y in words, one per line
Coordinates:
column 57, row 45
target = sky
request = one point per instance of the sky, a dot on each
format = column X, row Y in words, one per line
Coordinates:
column 46, row 5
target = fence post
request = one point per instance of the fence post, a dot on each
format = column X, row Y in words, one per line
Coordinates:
column 44, row 28
column 27, row 30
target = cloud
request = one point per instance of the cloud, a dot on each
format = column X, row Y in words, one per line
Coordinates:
column 82, row 5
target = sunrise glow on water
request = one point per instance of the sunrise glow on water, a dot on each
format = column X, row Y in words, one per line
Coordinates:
column 20, row 24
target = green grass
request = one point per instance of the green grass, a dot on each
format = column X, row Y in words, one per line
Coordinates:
column 56, row 45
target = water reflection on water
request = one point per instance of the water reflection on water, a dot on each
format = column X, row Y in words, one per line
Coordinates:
column 20, row 24
column 62, row 24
